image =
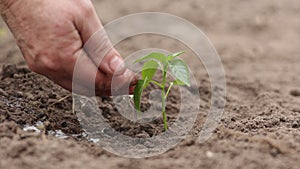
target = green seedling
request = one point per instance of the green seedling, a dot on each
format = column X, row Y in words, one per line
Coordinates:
column 152, row 62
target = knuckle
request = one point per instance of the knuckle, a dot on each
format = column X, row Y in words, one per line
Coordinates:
column 88, row 9
column 50, row 65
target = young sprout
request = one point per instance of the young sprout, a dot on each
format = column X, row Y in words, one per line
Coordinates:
column 178, row 69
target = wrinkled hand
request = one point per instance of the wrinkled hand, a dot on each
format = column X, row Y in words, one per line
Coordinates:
column 51, row 35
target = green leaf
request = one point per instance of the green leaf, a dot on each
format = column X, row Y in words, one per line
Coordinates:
column 138, row 90
column 178, row 82
column 174, row 55
column 149, row 70
column 157, row 56
column 180, row 71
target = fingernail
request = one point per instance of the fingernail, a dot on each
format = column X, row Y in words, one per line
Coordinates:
column 117, row 65
column 127, row 73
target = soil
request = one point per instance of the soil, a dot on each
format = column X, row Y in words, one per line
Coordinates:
column 258, row 42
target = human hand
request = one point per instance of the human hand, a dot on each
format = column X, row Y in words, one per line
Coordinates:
column 51, row 35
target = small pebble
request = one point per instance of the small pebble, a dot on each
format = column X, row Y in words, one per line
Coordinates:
column 41, row 127
column 143, row 135
column 274, row 152
column 295, row 124
column 18, row 94
column 29, row 96
column 295, row 93
column 209, row 154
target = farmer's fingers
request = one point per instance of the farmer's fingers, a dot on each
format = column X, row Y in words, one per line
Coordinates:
column 99, row 48
column 87, row 74
column 77, row 73
column 101, row 51
column 96, row 42
column 86, row 19
column 123, row 84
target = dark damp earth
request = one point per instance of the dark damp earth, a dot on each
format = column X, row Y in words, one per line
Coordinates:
column 258, row 42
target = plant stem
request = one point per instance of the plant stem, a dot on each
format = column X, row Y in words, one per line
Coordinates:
column 164, row 110
column 163, row 102
column 156, row 83
column 168, row 91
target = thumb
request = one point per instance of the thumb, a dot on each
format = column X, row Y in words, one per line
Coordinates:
column 101, row 51
column 96, row 42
